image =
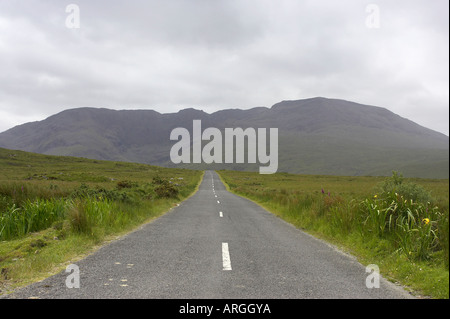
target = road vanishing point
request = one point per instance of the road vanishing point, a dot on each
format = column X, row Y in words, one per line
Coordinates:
column 216, row 245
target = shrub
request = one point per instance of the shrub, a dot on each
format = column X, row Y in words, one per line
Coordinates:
column 126, row 184
column 166, row 190
column 157, row 180
column 410, row 191
column 100, row 193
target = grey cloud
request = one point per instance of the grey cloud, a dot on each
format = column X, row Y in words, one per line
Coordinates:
column 212, row 55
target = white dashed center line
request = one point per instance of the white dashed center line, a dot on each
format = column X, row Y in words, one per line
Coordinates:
column 226, row 257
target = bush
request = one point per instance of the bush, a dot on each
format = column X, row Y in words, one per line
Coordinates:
column 100, row 193
column 410, row 191
column 157, row 180
column 166, row 190
column 126, row 184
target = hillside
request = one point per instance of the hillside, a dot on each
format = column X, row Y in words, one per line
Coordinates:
column 316, row 136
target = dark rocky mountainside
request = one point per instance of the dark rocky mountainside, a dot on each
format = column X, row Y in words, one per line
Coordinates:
column 316, row 136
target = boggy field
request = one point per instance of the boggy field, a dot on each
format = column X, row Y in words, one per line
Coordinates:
column 54, row 210
column 399, row 224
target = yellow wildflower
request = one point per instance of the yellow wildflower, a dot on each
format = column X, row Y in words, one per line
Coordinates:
column 426, row 221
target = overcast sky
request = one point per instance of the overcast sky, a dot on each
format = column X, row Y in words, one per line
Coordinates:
column 168, row 55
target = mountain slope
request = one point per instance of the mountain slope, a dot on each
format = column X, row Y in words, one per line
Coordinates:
column 316, row 136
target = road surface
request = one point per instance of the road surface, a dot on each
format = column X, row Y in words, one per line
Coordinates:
column 215, row 245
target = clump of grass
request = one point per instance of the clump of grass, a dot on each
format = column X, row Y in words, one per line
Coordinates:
column 88, row 214
column 418, row 225
column 413, row 226
column 78, row 218
column 17, row 221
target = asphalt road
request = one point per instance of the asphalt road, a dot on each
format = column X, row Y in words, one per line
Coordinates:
column 216, row 245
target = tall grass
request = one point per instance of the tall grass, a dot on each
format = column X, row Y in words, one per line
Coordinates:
column 399, row 212
column 17, row 221
column 19, row 192
column 89, row 210
column 394, row 221
column 411, row 225
column 90, row 215
column 54, row 209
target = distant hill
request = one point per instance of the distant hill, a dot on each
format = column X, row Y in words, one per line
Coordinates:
column 316, row 136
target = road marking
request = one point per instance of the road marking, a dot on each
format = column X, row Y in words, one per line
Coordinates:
column 215, row 195
column 220, row 214
column 226, row 257
column 218, row 202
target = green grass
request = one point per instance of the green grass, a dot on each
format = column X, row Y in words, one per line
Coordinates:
column 403, row 233
column 54, row 209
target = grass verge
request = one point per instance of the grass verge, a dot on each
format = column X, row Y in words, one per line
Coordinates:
column 56, row 210
column 399, row 224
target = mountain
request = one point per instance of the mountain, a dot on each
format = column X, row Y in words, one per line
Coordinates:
column 316, row 136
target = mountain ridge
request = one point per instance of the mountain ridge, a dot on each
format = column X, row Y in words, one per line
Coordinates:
column 316, row 136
